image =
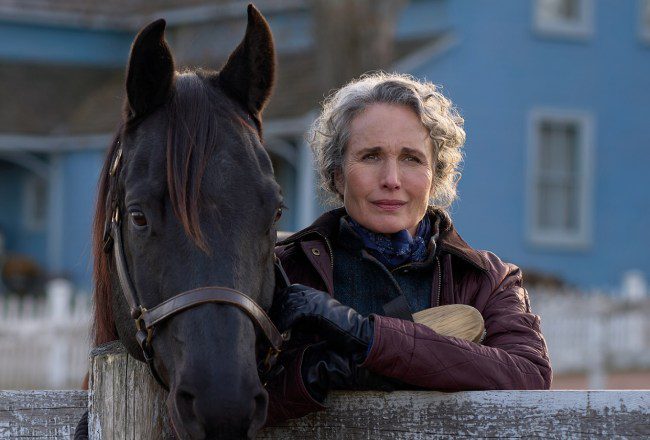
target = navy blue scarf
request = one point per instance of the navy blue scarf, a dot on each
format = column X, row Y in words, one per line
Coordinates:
column 398, row 248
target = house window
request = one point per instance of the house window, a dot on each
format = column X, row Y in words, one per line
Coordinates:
column 559, row 179
column 564, row 18
column 645, row 20
column 35, row 203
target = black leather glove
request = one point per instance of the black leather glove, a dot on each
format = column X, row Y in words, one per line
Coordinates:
column 324, row 369
column 303, row 308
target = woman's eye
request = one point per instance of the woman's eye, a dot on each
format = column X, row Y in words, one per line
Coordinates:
column 413, row 159
column 138, row 218
column 278, row 215
column 370, row 157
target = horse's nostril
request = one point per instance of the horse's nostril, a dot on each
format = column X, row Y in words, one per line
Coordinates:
column 261, row 402
column 188, row 418
column 185, row 399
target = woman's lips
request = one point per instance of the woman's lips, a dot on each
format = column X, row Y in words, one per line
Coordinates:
column 389, row 205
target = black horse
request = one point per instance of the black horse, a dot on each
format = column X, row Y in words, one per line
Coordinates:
column 188, row 195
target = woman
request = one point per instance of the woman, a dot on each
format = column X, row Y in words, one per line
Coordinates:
column 388, row 147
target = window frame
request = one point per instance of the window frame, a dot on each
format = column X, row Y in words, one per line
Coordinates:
column 558, row 239
column 582, row 29
column 644, row 26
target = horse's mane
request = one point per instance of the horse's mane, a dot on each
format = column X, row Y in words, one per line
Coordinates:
column 191, row 137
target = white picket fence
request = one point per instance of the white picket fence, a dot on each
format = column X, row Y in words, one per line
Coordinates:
column 44, row 343
column 594, row 332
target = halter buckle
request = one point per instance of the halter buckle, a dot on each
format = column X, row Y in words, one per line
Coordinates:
column 271, row 358
column 143, row 330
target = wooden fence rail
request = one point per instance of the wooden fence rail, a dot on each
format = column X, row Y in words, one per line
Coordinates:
column 126, row 403
column 29, row 415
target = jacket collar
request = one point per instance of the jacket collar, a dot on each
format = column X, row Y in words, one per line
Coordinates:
column 327, row 226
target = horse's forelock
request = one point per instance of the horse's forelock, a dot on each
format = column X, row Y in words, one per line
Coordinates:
column 191, row 139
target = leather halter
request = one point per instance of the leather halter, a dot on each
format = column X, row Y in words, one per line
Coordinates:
column 147, row 319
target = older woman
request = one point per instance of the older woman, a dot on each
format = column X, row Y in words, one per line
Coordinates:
column 388, row 147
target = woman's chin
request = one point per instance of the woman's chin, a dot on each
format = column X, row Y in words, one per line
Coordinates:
column 385, row 226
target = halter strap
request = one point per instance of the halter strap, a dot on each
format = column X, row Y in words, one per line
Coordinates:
column 122, row 271
column 220, row 295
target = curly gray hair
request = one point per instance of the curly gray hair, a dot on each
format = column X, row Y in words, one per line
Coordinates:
column 330, row 132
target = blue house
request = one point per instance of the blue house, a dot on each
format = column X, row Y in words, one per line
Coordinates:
column 554, row 94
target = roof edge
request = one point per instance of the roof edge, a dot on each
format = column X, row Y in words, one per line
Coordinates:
column 436, row 49
column 133, row 22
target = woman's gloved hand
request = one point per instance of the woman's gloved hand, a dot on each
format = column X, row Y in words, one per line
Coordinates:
column 311, row 310
column 324, row 369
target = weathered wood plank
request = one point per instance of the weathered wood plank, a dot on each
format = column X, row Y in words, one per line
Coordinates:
column 40, row 414
column 124, row 401
column 489, row 414
column 364, row 415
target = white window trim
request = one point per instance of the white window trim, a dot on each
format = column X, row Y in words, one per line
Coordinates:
column 32, row 223
column 644, row 27
column 581, row 30
column 582, row 239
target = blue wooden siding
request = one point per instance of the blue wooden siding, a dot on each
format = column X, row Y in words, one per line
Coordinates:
column 499, row 72
column 81, row 172
column 70, row 236
column 49, row 44
column 19, row 239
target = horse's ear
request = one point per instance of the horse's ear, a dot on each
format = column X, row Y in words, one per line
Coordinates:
column 250, row 70
column 151, row 70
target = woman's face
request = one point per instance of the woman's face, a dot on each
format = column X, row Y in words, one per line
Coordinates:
column 387, row 169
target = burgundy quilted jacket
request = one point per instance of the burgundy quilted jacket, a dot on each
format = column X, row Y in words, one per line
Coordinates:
column 513, row 354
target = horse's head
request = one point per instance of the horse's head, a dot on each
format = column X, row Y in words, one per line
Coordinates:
column 195, row 202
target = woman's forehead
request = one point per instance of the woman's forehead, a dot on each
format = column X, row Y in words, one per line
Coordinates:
column 388, row 126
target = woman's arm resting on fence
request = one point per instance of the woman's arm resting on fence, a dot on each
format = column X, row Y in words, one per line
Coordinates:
column 513, row 355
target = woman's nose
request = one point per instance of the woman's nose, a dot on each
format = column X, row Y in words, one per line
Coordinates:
column 390, row 175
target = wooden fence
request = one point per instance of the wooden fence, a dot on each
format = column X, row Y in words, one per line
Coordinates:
column 29, row 415
column 126, row 403
column 594, row 333
column 140, row 412
column 44, row 342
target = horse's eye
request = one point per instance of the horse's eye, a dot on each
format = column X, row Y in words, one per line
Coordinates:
column 138, row 218
column 278, row 215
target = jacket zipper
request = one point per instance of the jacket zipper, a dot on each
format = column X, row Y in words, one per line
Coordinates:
column 329, row 248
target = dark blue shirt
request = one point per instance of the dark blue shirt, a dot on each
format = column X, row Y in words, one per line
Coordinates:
column 365, row 284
